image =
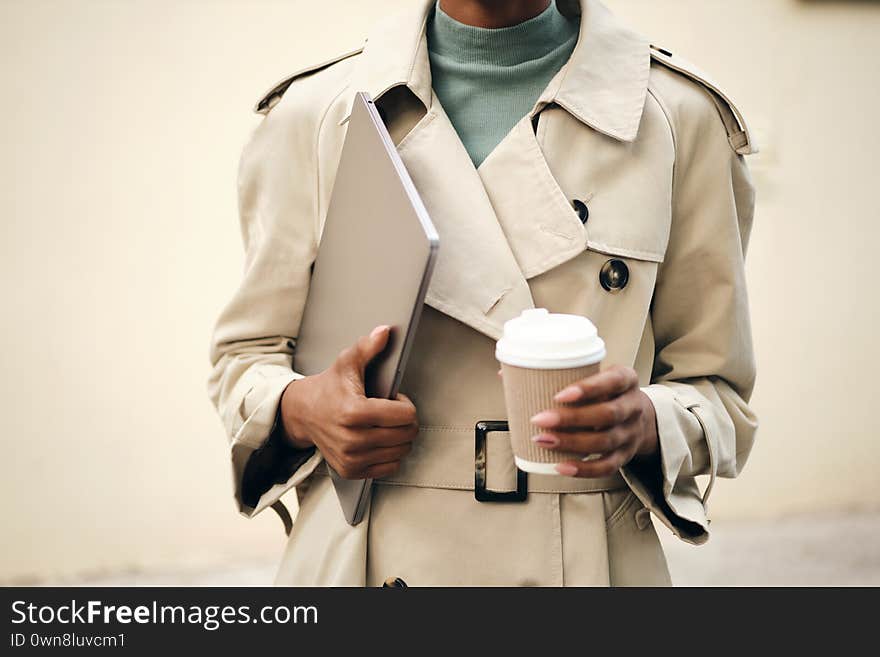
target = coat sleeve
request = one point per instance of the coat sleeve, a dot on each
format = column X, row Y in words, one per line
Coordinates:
column 254, row 338
column 704, row 367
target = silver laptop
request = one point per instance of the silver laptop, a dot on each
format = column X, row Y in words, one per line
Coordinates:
column 374, row 262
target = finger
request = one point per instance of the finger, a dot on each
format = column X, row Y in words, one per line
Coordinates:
column 381, row 437
column 606, row 384
column 368, row 347
column 385, row 455
column 382, row 470
column 588, row 442
column 352, row 461
column 597, row 416
column 605, row 466
column 377, row 412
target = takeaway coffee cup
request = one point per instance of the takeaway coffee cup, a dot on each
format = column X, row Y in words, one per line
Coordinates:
column 540, row 354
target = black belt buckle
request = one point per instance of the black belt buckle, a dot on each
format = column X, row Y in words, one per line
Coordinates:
column 481, row 430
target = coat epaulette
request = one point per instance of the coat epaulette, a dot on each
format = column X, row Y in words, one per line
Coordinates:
column 271, row 97
column 738, row 133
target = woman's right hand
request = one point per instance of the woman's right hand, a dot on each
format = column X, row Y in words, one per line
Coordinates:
column 360, row 437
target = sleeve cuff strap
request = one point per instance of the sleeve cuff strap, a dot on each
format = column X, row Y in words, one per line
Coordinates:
column 674, row 499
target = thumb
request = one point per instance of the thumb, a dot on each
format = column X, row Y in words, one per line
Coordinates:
column 370, row 346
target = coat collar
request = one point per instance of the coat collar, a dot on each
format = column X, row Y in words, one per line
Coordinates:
column 603, row 84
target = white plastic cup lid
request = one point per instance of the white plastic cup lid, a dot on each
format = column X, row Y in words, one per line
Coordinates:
column 540, row 339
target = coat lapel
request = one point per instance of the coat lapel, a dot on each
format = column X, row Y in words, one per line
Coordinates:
column 477, row 279
column 539, row 223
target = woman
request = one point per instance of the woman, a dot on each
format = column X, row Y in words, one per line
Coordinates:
column 567, row 164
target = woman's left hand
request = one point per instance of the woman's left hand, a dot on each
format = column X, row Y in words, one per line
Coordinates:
column 606, row 414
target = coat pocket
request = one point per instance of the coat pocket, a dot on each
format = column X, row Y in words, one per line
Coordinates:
column 617, row 505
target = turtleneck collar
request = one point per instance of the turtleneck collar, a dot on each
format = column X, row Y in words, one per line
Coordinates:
column 503, row 46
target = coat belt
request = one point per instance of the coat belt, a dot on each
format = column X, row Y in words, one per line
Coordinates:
column 443, row 457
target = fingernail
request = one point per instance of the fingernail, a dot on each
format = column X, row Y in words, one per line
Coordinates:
column 378, row 330
column 546, row 419
column 566, row 469
column 545, row 440
column 569, row 394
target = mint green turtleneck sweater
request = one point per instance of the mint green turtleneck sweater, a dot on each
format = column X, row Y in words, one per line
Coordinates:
column 488, row 79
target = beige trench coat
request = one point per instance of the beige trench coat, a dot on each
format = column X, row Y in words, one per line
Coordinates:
column 654, row 150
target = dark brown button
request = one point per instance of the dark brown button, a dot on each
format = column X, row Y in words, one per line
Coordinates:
column 614, row 275
column 582, row 210
column 394, row 583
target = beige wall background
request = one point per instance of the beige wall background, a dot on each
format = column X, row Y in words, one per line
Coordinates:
column 122, row 125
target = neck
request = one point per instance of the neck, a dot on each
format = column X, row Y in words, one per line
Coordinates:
column 493, row 13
